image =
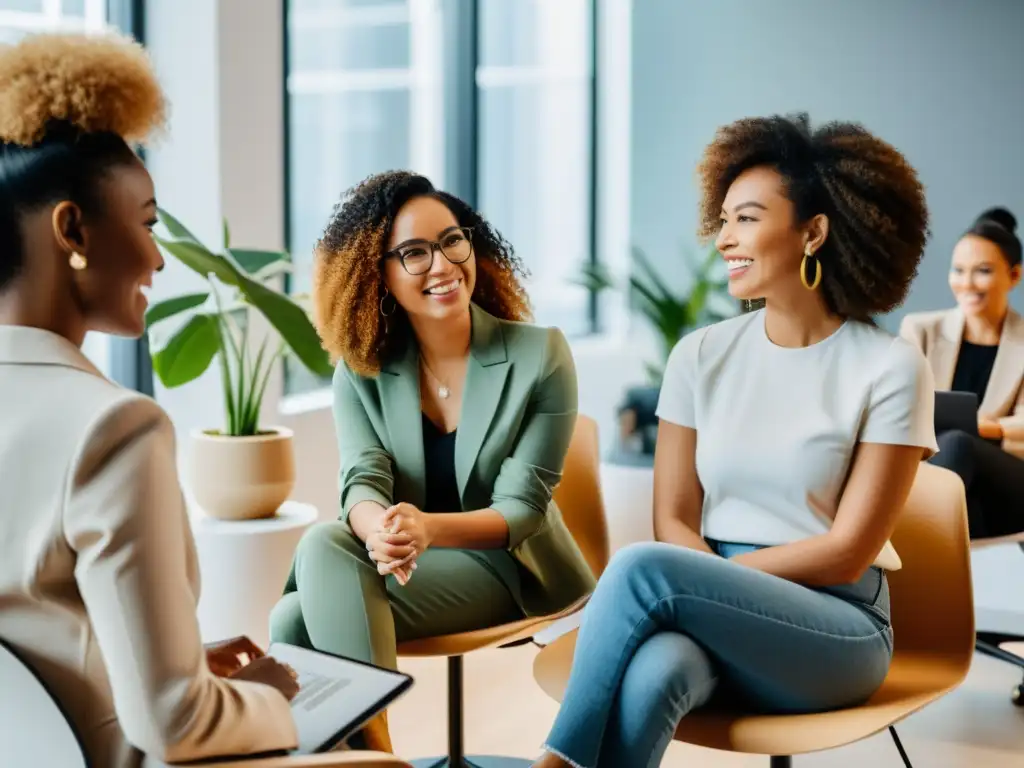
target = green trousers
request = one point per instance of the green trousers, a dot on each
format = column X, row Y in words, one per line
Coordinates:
column 335, row 601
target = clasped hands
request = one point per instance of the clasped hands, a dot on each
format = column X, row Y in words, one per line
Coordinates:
column 401, row 535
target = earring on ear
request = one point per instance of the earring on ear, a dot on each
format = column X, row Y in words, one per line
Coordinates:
column 808, row 256
column 77, row 261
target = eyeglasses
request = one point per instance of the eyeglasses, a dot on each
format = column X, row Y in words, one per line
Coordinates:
column 417, row 256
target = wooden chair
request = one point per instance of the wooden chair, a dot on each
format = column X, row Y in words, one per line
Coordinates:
column 933, row 623
column 34, row 730
column 578, row 496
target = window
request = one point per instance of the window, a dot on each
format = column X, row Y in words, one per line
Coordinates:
column 363, row 84
column 363, row 88
column 491, row 99
column 535, row 141
column 21, row 17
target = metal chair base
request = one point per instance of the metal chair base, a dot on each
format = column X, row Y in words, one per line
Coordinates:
column 786, row 761
column 989, row 644
column 474, row 761
column 457, row 757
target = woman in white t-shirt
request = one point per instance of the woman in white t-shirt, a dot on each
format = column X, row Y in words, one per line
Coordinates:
column 788, row 442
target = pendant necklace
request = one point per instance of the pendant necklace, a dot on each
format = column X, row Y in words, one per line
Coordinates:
column 442, row 390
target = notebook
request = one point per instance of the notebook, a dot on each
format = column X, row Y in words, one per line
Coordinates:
column 337, row 695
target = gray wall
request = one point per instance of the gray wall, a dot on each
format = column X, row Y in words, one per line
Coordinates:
column 942, row 80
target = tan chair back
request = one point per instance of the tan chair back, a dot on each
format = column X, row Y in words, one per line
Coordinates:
column 933, row 622
column 578, row 495
column 932, row 599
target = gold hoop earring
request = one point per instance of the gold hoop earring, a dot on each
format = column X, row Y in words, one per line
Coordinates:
column 803, row 270
column 77, row 261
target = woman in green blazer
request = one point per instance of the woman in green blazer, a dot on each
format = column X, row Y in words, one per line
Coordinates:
column 453, row 420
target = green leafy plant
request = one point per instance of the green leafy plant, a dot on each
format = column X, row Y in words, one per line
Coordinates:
column 215, row 323
column 672, row 315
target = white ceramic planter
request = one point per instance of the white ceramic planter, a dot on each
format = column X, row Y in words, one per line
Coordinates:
column 242, row 478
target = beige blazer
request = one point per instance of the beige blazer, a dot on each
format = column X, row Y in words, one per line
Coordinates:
column 938, row 335
column 98, row 573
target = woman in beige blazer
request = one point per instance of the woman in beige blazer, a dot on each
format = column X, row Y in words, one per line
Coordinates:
column 979, row 347
column 98, row 577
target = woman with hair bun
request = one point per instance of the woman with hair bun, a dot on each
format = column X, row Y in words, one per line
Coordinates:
column 98, row 572
column 979, row 347
column 789, row 439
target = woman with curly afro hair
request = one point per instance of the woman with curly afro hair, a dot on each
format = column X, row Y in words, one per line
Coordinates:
column 98, row 577
column 453, row 420
column 789, row 439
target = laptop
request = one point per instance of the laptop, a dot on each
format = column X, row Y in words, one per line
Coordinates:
column 956, row 410
column 337, row 696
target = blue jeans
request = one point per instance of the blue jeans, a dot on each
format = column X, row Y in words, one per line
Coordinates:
column 667, row 627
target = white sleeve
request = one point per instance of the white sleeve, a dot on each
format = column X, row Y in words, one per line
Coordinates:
column 676, row 403
column 901, row 407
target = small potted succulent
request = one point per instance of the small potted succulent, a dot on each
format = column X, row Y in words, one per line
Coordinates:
column 243, row 470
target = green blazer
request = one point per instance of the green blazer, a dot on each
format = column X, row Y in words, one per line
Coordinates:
column 518, row 415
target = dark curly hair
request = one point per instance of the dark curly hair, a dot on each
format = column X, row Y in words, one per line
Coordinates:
column 348, row 282
column 999, row 226
column 874, row 201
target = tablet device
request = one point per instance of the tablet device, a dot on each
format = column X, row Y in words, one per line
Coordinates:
column 956, row 410
column 337, row 696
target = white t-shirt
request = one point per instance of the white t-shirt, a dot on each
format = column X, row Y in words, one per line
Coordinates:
column 777, row 426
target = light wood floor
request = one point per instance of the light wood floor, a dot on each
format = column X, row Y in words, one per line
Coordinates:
column 507, row 714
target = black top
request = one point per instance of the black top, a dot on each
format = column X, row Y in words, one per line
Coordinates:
column 973, row 368
column 439, row 462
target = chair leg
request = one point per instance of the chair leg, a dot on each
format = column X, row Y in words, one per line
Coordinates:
column 455, row 742
column 781, row 761
column 456, row 747
column 899, row 746
column 989, row 644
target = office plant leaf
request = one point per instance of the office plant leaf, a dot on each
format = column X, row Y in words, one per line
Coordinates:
column 246, row 277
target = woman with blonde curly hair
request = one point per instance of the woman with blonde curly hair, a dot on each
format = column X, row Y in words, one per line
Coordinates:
column 788, row 442
column 98, row 579
column 453, row 419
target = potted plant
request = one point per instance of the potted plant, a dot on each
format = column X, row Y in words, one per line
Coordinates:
column 671, row 315
column 244, row 470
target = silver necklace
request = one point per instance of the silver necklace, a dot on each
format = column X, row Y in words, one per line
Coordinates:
column 442, row 390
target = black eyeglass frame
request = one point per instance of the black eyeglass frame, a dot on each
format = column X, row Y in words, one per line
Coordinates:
column 433, row 246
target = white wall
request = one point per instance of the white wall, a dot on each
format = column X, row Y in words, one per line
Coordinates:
column 220, row 64
column 940, row 80
column 185, row 164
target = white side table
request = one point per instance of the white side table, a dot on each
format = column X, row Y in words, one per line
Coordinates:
column 628, row 493
column 243, row 566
